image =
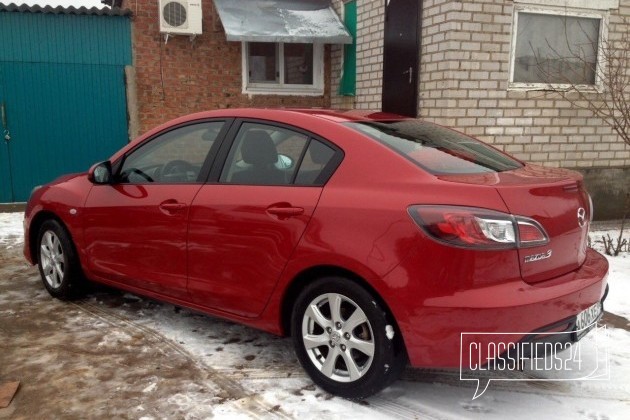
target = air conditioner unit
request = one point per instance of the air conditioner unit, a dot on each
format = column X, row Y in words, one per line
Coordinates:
column 180, row 17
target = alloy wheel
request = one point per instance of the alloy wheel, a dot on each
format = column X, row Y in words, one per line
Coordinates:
column 52, row 259
column 338, row 337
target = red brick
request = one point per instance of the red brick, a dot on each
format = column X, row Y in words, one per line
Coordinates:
column 181, row 77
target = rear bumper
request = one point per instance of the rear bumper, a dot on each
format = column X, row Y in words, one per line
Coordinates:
column 433, row 330
column 559, row 333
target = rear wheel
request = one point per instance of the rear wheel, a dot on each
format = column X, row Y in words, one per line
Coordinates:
column 345, row 340
column 58, row 263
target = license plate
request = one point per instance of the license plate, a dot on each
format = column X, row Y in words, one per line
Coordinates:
column 587, row 319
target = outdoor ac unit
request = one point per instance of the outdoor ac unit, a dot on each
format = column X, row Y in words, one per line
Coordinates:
column 180, row 17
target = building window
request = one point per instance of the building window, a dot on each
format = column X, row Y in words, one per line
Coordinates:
column 558, row 48
column 283, row 68
column 263, row 62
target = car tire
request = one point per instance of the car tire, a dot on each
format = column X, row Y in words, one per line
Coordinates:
column 353, row 351
column 58, row 263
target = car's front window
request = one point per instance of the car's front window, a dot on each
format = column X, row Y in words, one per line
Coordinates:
column 437, row 149
column 175, row 157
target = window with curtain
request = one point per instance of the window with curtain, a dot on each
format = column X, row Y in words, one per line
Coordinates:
column 283, row 68
column 557, row 49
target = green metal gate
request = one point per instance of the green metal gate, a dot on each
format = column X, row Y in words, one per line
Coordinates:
column 62, row 95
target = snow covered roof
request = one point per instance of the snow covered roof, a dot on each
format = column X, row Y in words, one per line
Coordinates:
column 60, row 10
column 301, row 21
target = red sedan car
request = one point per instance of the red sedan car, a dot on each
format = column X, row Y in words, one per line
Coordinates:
column 373, row 240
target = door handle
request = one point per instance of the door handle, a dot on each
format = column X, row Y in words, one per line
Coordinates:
column 170, row 206
column 410, row 72
column 283, row 212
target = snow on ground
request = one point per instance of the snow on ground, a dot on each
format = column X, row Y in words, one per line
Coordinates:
column 11, row 229
column 265, row 365
column 618, row 301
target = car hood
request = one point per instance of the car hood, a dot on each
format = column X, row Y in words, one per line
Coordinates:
column 66, row 178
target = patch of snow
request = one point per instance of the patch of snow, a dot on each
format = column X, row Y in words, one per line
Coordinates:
column 150, row 388
column 310, row 22
column 618, row 300
column 64, row 3
column 389, row 332
column 11, row 229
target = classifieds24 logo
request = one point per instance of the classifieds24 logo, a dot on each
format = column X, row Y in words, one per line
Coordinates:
column 549, row 356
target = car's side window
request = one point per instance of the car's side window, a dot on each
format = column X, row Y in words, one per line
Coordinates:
column 315, row 161
column 264, row 155
column 175, row 157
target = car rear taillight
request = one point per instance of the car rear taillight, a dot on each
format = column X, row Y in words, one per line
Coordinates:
column 477, row 228
column 530, row 233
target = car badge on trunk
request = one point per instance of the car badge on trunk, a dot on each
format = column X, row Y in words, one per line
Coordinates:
column 581, row 216
column 538, row 257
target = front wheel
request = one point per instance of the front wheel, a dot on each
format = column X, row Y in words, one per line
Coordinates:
column 58, row 263
column 345, row 340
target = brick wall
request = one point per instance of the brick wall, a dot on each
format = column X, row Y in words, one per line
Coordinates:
column 464, row 84
column 464, row 76
column 181, row 77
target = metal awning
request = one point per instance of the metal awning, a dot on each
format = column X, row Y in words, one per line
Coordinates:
column 299, row 21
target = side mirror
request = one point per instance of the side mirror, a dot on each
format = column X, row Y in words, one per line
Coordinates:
column 101, row 173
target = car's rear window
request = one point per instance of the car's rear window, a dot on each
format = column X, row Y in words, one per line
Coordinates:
column 437, row 149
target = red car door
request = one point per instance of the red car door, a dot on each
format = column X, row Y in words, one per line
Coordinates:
column 136, row 234
column 238, row 245
column 136, row 229
column 244, row 228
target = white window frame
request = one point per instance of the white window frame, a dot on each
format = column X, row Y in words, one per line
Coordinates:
column 280, row 88
column 603, row 15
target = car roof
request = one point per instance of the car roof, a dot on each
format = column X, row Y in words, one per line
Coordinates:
column 348, row 115
column 334, row 115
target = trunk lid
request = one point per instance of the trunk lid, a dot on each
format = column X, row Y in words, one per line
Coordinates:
column 556, row 199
